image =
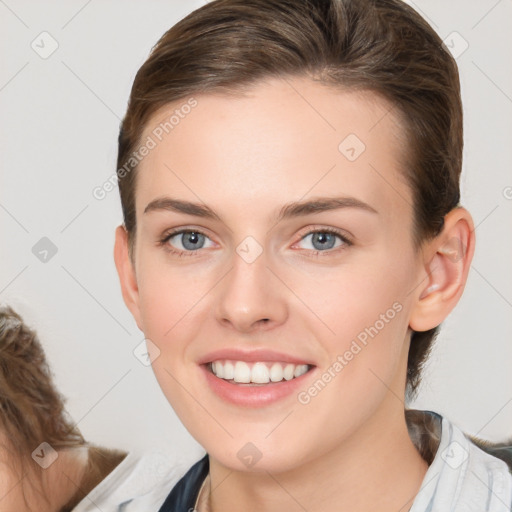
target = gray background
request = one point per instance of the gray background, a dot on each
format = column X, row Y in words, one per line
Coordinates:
column 59, row 124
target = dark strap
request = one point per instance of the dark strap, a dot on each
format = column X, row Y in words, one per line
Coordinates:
column 184, row 494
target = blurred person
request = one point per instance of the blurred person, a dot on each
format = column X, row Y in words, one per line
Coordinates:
column 45, row 463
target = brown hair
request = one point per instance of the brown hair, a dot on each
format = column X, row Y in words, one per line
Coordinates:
column 382, row 46
column 32, row 410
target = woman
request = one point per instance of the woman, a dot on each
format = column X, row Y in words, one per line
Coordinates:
column 45, row 463
column 292, row 239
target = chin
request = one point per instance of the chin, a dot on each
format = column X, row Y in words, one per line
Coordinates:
column 249, row 457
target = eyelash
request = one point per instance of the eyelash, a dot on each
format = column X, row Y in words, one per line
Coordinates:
column 346, row 242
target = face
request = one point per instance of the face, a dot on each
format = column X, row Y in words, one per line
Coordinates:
column 274, row 248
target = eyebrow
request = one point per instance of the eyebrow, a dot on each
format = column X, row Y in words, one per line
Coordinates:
column 288, row 211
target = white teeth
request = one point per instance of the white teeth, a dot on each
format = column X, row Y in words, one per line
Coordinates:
column 229, row 371
column 288, row 371
column 276, row 373
column 242, row 372
column 258, row 373
column 301, row 369
column 219, row 370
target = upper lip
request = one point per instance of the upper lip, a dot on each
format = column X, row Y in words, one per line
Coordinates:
column 251, row 356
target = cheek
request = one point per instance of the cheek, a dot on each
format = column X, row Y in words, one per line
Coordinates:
column 361, row 320
column 168, row 294
column 173, row 305
column 348, row 300
column 171, row 310
column 365, row 355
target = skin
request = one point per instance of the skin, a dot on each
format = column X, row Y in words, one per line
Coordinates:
column 246, row 157
column 31, row 488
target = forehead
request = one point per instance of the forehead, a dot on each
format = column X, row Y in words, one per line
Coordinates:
column 282, row 140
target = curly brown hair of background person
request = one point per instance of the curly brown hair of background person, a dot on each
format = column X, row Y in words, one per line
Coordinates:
column 32, row 412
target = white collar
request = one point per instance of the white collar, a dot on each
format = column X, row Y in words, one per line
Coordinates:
column 462, row 477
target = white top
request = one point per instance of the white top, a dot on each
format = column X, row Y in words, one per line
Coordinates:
column 464, row 478
column 137, row 484
column 461, row 478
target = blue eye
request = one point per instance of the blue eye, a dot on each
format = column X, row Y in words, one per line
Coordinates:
column 323, row 240
column 187, row 240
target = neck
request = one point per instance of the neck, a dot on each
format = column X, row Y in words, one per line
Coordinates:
column 379, row 464
column 24, row 487
column 62, row 479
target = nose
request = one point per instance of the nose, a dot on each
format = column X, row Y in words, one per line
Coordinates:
column 251, row 297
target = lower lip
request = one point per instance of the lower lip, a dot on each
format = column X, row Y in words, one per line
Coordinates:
column 257, row 395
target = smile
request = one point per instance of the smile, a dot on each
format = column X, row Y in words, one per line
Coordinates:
column 242, row 372
column 255, row 378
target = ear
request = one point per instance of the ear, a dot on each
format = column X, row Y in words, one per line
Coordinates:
column 126, row 272
column 446, row 263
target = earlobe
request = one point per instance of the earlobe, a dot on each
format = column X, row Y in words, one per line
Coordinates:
column 446, row 266
column 126, row 272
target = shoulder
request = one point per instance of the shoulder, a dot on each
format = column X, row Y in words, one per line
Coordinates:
column 100, row 462
column 465, row 473
column 501, row 450
column 138, row 483
column 425, row 430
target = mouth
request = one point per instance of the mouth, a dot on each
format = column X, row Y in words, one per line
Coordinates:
column 259, row 373
column 255, row 379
